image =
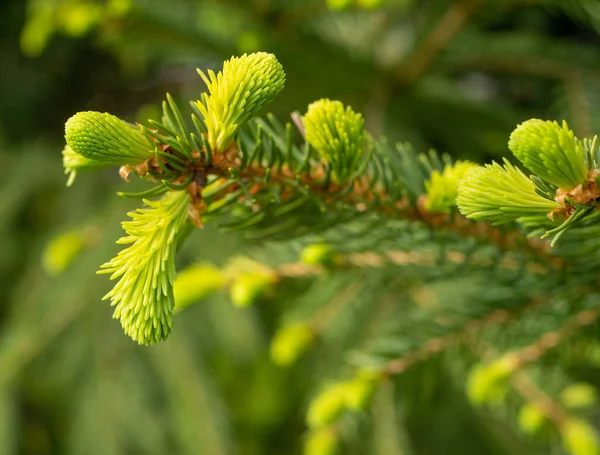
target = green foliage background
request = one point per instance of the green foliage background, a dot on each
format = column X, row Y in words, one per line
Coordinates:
column 456, row 76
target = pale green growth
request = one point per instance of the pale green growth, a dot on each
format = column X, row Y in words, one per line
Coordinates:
column 327, row 406
column 337, row 134
column 319, row 254
column 442, row 187
column 247, row 287
column 246, row 84
column 321, row 441
column 531, row 418
column 352, row 395
column 195, row 283
column 500, row 194
column 579, row 437
column 360, row 389
column 488, row 382
column 105, row 138
column 579, row 396
column 338, row 4
column 550, row 151
column 61, row 251
column 73, row 162
column 79, row 17
column 143, row 297
column 290, row 343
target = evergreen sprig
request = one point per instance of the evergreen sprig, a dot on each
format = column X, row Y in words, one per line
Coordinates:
column 551, row 151
column 338, row 135
column 104, row 138
column 246, row 84
column 442, row 187
column 143, row 296
column 500, row 194
column 262, row 181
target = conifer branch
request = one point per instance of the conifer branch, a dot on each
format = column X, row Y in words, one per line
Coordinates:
column 529, row 390
column 578, row 436
column 260, row 180
column 531, row 353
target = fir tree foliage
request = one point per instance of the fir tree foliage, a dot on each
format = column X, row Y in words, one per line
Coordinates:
column 415, row 291
column 263, row 182
column 337, row 133
column 143, row 297
column 104, row 138
column 442, row 187
column 246, row 84
column 501, row 194
column 329, row 180
column 563, row 185
column 290, row 343
column 550, row 151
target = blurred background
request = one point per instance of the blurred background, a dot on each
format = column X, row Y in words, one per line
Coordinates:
column 456, row 76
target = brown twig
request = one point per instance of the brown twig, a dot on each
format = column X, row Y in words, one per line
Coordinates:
column 530, row 391
column 399, row 257
column 521, row 382
column 518, row 358
column 363, row 196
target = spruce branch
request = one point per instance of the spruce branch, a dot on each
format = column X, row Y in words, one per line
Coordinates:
column 531, row 353
column 578, row 436
column 143, row 297
column 259, row 180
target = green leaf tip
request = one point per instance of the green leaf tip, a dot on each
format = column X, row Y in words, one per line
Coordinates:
column 531, row 418
column 327, row 405
column 62, row 250
column 290, row 343
column 488, row 382
column 337, row 134
column 579, row 396
column 195, row 283
column 320, row 254
column 107, row 139
column 352, row 395
column 322, row 441
column 500, row 194
column 143, row 296
column 551, row 151
column 442, row 187
column 579, row 437
column 245, row 85
column 248, row 287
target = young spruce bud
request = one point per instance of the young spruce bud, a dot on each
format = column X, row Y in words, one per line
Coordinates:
column 246, row 84
column 500, row 194
column 550, row 151
column 337, row 134
column 107, row 139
